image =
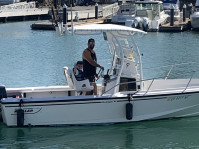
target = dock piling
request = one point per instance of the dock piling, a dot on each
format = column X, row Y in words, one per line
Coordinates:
column 96, row 11
column 171, row 16
column 184, row 12
column 65, row 16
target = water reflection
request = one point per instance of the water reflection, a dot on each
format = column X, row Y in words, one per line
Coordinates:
column 174, row 133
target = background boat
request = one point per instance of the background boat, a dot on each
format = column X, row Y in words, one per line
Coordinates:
column 195, row 17
column 174, row 4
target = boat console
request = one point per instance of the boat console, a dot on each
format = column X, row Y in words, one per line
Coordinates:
column 125, row 72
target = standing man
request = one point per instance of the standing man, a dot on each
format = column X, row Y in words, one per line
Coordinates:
column 90, row 65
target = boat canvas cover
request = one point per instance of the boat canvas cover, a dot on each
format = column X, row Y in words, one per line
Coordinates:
column 171, row 1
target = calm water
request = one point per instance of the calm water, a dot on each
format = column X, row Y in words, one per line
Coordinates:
column 36, row 58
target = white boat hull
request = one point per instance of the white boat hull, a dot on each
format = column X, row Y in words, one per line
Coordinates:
column 195, row 20
column 122, row 97
column 100, row 110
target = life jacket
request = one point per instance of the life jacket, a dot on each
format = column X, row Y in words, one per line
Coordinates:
column 80, row 75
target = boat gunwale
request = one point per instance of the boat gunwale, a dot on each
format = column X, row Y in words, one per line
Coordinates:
column 135, row 97
column 62, row 100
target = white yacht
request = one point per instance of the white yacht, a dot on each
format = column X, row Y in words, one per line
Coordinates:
column 126, row 12
column 123, row 95
column 149, row 15
column 195, row 17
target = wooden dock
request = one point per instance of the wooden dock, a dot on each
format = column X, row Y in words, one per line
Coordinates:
column 177, row 27
column 47, row 25
column 50, row 26
column 81, row 15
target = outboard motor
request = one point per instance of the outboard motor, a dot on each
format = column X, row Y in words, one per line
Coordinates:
column 136, row 22
column 145, row 24
column 3, row 93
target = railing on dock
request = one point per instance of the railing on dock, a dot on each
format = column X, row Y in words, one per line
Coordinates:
column 110, row 10
column 22, row 9
column 22, row 5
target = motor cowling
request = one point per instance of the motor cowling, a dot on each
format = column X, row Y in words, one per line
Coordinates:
column 3, row 93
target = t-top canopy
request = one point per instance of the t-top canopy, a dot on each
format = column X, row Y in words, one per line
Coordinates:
column 105, row 27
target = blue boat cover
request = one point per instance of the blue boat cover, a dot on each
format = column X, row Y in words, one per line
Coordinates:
column 170, row 1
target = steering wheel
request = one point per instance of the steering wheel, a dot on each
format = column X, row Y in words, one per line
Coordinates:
column 100, row 74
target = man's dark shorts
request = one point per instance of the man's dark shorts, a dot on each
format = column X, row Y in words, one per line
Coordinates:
column 91, row 78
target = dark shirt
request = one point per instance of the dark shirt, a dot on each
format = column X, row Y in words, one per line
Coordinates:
column 88, row 69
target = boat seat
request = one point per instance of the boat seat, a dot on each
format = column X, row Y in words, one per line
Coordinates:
column 79, row 86
column 67, row 74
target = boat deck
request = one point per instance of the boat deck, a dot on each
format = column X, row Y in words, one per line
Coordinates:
column 44, row 91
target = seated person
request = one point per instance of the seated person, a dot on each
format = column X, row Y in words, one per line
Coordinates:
column 78, row 71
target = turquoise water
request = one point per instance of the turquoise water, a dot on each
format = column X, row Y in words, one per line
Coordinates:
column 164, row 134
column 36, row 58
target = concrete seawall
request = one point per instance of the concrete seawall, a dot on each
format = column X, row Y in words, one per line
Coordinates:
column 24, row 14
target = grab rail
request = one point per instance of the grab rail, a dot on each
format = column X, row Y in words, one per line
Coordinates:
column 188, row 82
column 149, row 87
column 110, row 10
column 193, row 72
column 169, row 72
column 130, row 83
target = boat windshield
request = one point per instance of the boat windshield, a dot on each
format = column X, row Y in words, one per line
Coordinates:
column 145, row 6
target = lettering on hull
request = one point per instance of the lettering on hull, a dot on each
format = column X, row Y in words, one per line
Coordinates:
column 28, row 110
column 178, row 98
